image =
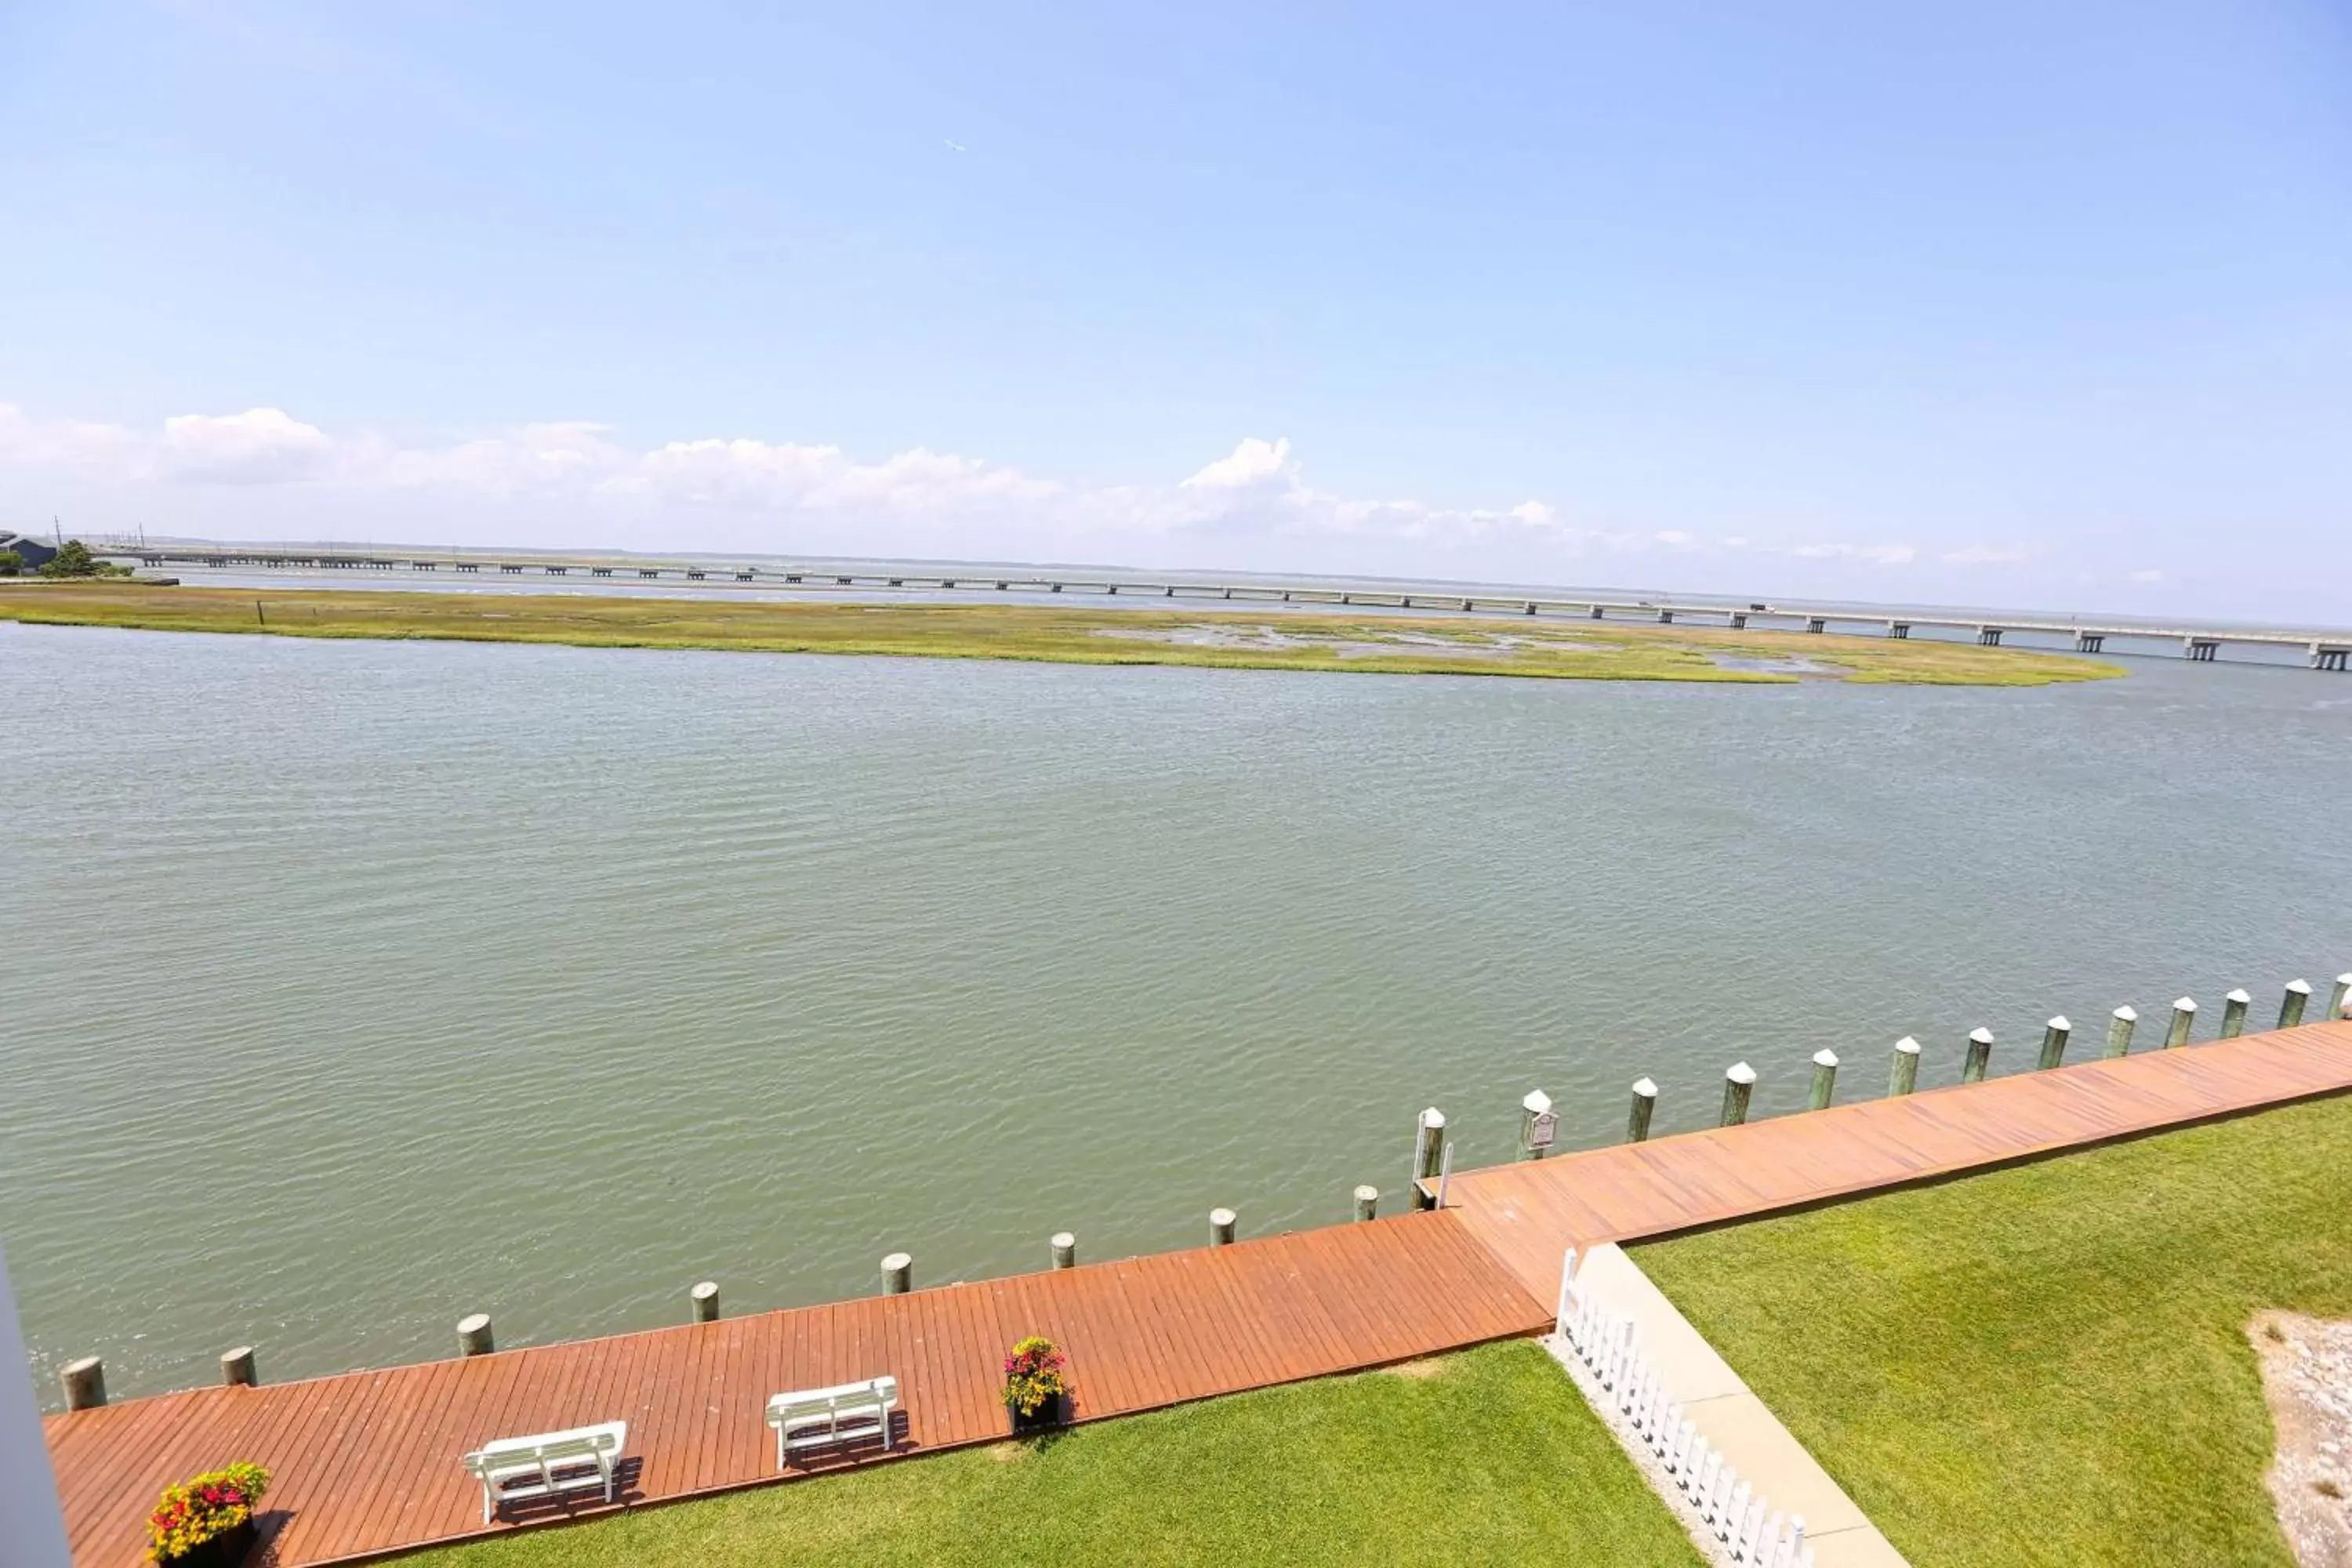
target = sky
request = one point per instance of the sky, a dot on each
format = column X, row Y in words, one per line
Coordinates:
column 2000, row 303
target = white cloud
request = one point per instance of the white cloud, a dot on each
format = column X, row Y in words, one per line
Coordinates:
column 27, row 442
column 1881, row 554
column 1675, row 537
column 2148, row 574
column 1989, row 555
column 260, row 445
column 1253, row 462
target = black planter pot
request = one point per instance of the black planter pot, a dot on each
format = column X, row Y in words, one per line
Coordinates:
column 1054, row 1412
column 221, row 1552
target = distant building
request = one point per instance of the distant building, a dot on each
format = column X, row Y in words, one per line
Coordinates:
column 31, row 550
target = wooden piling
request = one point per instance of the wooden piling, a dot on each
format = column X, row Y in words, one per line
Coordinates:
column 2184, row 1019
column 474, row 1336
column 2298, row 993
column 1977, row 1057
column 1367, row 1203
column 898, row 1274
column 2120, row 1023
column 1825, row 1065
column 1221, row 1228
column 1645, row 1105
column 84, row 1382
column 1428, row 1156
column 2054, row 1035
column 237, row 1369
column 705, row 1299
column 2339, row 995
column 1903, row 1075
column 2233, row 1014
column 1739, row 1086
column 1064, row 1244
column 1537, row 1125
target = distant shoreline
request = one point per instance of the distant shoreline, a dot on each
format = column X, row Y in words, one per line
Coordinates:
column 1050, row 634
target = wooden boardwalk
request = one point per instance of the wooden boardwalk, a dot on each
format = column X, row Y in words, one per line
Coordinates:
column 1527, row 1214
column 366, row 1463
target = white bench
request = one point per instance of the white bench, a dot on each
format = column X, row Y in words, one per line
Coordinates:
column 819, row 1417
column 551, row 1463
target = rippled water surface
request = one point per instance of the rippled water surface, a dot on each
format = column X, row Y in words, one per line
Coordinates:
column 354, row 986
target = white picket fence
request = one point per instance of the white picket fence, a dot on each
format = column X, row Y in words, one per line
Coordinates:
column 1609, row 1348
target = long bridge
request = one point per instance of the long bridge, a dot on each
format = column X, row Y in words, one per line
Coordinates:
column 2324, row 650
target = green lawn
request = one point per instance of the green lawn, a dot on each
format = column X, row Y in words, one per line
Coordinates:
column 2046, row 1364
column 1489, row 1456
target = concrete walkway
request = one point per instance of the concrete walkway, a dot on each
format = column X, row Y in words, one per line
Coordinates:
column 1732, row 1419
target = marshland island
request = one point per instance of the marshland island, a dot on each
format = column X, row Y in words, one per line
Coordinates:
column 1385, row 643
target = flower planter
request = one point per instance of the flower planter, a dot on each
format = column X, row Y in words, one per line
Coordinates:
column 226, row 1550
column 1054, row 1412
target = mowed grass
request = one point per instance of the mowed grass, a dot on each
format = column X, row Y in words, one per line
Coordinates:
column 2046, row 1364
column 1486, row 1456
column 1496, row 646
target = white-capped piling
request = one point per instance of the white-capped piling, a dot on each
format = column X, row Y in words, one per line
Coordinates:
column 1739, row 1086
column 2120, row 1023
column 1064, row 1246
column 1825, row 1065
column 2233, row 1014
column 84, row 1382
column 704, row 1299
column 2054, row 1035
column 1428, row 1156
column 2339, row 995
column 1977, row 1057
column 1538, row 1125
column 1221, row 1228
column 2184, row 1019
column 237, row 1369
column 474, row 1337
column 898, row 1274
column 1645, row 1103
column 1903, row 1074
column 2298, row 993
column 1367, row 1203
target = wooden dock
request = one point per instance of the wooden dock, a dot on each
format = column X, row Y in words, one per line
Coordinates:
column 366, row 1463
column 1529, row 1214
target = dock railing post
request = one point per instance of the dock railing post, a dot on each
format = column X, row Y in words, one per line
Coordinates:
column 2298, row 993
column 1537, row 1125
column 474, row 1337
column 1368, row 1202
column 2184, row 1019
column 1977, row 1057
column 1903, row 1074
column 705, row 1299
column 1645, row 1104
column 2233, row 1014
column 1064, row 1244
column 2054, row 1035
column 898, row 1274
column 1428, row 1156
column 1825, row 1065
column 1739, row 1085
column 84, row 1382
column 2120, row 1023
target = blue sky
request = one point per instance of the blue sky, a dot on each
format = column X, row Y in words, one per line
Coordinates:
column 2015, row 304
